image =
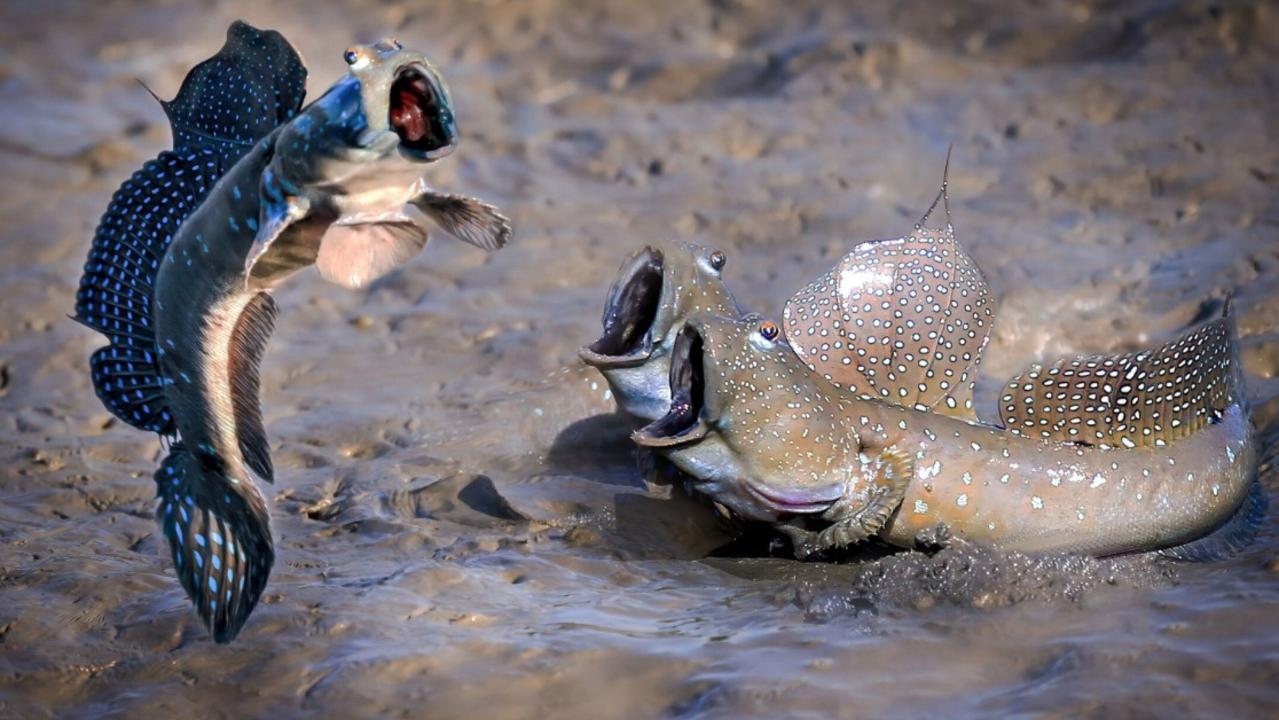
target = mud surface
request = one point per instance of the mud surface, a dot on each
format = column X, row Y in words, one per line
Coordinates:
column 458, row 536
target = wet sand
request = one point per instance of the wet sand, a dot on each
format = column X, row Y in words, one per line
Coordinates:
column 446, row 548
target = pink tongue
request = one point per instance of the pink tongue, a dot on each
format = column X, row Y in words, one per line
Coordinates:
column 407, row 116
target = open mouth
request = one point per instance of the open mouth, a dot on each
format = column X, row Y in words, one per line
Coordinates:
column 630, row 313
column 683, row 421
column 418, row 114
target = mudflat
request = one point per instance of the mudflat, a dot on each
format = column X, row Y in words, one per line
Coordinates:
column 461, row 532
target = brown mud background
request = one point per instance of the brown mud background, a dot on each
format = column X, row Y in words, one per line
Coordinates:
column 1115, row 168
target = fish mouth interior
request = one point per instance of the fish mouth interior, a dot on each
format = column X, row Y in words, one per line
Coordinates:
column 417, row 113
column 628, row 321
column 683, row 421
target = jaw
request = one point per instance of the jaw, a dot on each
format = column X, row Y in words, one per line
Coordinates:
column 685, row 421
column 692, row 435
column 419, row 114
column 629, row 315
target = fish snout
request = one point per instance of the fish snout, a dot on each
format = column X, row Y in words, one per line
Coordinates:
column 630, row 313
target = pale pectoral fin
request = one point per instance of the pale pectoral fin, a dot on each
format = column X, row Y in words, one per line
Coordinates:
column 853, row 521
column 465, row 218
column 355, row 253
column 268, row 256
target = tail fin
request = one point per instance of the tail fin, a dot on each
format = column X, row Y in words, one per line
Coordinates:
column 226, row 104
column 219, row 535
column 1145, row 398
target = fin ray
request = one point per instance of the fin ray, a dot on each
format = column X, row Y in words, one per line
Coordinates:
column 467, row 219
column 255, row 82
column 248, row 342
column 903, row 320
column 219, row 538
column 226, row 103
column 354, row 254
column 1134, row 399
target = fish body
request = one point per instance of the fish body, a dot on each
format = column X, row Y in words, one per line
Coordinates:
column 182, row 283
column 773, row 441
column 655, row 290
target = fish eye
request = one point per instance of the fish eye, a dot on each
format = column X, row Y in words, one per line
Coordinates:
column 350, row 56
column 718, row 260
column 768, row 330
column 396, row 43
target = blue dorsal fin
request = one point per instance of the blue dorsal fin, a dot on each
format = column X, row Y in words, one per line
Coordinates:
column 233, row 99
column 226, row 103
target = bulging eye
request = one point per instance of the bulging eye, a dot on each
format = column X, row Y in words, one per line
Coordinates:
column 768, row 330
column 350, row 56
column 718, row 260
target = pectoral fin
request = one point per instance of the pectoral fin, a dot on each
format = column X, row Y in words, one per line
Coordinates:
column 856, row 519
column 270, row 256
column 467, row 219
column 355, row 252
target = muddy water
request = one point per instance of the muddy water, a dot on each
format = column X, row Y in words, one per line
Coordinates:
column 460, row 536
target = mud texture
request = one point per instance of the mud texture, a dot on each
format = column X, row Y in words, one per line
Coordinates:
column 461, row 534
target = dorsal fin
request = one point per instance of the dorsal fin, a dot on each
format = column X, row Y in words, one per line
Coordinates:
column 903, row 320
column 226, row 104
column 244, row 354
column 1135, row 399
column 230, row 101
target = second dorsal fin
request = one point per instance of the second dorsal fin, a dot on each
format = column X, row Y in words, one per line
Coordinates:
column 1136, row 399
column 904, row 320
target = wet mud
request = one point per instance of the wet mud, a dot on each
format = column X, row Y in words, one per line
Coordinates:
column 463, row 527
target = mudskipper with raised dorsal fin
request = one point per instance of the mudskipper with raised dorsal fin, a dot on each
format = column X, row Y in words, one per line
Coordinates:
column 183, row 261
column 857, row 422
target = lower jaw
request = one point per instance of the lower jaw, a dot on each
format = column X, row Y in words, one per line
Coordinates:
column 778, row 508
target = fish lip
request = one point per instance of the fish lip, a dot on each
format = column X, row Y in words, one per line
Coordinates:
column 796, row 503
column 633, row 302
column 686, row 419
column 414, row 81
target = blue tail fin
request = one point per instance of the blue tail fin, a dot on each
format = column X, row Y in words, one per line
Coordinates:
column 219, row 535
column 225, row 105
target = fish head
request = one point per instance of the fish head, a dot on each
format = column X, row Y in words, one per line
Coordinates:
column 750, row 422
column 403, row 96
column 390, row 113
column 655, row 290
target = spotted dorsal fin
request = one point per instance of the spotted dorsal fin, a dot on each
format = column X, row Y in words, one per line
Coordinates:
column 1136, row 399
column 226, row 104
column 256, row 82
column 903, row 320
